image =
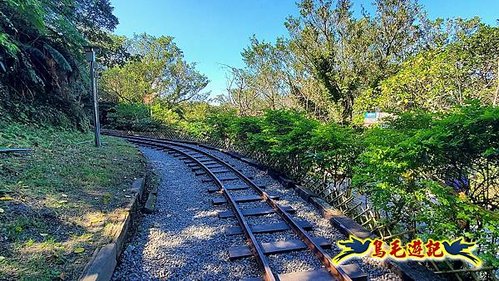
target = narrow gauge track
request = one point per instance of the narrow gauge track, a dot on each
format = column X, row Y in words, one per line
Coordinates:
column 202, row 160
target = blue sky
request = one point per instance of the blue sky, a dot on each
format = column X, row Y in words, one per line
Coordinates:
column 214, row 32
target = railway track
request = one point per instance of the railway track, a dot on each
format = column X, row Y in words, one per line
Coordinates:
column 219, row 172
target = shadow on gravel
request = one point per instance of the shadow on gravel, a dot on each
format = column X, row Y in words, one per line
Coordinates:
column 183, row 239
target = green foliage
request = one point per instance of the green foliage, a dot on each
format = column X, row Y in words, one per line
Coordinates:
column 283, row 134
column 440, row 79
column 333, row 151
column 58, row 58
column 41, row 56
column 422, row 174
column 164, row 115
column 330, row 59
column 154, row 71
column 135, row 117
column 220, row 125
column 245, row 129
column 336, row 66
column 263, row 84
column 417, row 169
column 9, row 46
column 193, row 118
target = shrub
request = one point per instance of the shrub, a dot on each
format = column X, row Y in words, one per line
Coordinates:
column 420, row 174
column 333, row 151
column 135, row 117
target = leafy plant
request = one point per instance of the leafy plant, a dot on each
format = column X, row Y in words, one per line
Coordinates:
column 42, row 65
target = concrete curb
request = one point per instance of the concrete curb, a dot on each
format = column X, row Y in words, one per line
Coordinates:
column 104, row 259
column 150, row 203
column 287, row 183
column 305, row 193
column 346, row 225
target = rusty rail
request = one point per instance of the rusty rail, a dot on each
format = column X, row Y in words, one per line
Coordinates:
column 255, row 247
column 326, row 260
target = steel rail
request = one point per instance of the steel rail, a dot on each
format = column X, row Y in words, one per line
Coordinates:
column 326, row 260
column 255, row 247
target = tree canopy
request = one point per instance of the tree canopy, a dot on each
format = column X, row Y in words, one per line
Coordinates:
column 155, row 71
column 336, row 66
column 41, row 55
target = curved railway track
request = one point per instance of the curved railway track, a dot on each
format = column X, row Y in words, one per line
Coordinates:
column 210, row 165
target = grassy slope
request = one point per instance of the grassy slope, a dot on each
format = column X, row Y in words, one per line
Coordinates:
column 60, row 200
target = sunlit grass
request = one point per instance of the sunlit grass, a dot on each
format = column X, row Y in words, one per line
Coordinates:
column 60, row 202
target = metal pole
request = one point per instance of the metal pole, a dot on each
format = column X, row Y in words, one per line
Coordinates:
column 96, row 101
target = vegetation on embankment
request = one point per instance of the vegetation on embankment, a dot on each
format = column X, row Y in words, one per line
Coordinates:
column 58, row 203
column 43, row 71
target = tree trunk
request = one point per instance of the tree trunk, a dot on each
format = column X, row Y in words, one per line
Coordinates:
column 494, row 103
column 347, row 113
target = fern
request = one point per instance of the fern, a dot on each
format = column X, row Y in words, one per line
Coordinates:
column 28, row 66
column 58, row 57
column 6, row 43
column 35, row 54
column 7, row 24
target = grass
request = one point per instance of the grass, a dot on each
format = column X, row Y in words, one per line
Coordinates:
column 58, row 204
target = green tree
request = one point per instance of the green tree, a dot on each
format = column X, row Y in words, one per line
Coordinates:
column 239, row 93
column 347, row 55
column 440, row 79
column 41, row 56
column 264, row 66
column 325, row 38
column 155, row 71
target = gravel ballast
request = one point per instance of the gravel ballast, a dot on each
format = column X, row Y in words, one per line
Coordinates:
column 185, row 240
column 301, row 261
